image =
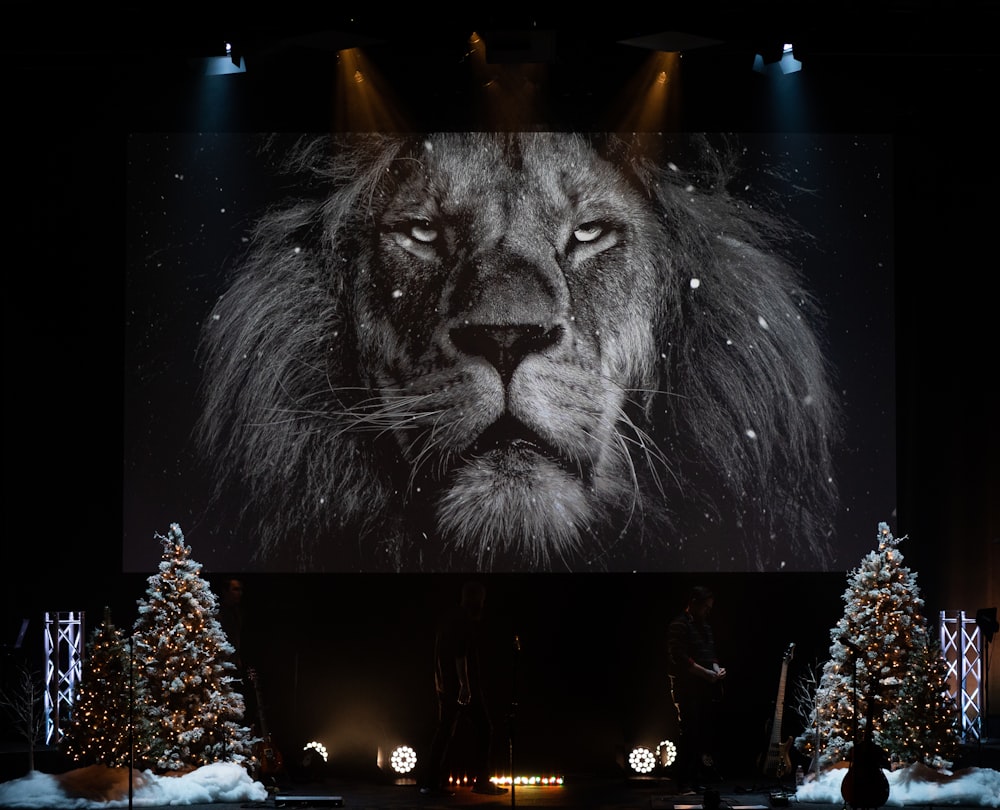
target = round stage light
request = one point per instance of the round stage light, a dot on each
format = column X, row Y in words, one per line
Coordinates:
column 641, row 760
column 318, row 747
column 666, row 753
column 403, row 759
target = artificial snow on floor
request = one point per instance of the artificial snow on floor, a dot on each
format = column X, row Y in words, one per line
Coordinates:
column 915, row 785
column 97, row 787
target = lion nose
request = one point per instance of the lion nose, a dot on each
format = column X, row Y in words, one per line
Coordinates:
column 504, row 347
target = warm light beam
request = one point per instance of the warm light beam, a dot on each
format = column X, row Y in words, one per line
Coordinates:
column 362, row 101
column 651, row 102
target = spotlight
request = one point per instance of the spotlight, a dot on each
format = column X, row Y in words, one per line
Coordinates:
column 776, row 61
column 314, row 759
column 666, row 753
column 641, row 760
column 313, row 749
column 403, row 760
column 986, row 620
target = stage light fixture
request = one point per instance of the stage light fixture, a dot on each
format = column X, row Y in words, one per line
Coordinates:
column 986, row 620
column 642, row 760
column 230, row 60
column 666, row 753
column 776, row 61
column 317, row 748
column 314, row 758
column 403, row 760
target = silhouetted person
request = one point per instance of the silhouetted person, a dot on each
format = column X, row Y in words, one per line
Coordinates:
column 459, row 686
column 231, row 617
column 696, row 685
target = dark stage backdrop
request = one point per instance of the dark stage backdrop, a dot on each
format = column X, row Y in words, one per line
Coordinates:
column 669, row 419
column 345, row 659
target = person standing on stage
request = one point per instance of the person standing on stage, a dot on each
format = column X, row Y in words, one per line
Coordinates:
column 696, row 679
column 459, row 687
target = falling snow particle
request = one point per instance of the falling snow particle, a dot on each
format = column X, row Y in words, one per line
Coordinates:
column 695, row 283
column 397, row 293
column 751, row 433
column 761, row 322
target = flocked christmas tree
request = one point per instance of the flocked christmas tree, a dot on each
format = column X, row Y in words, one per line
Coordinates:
column 183, row 653
column 884, row 668
column 104, row 729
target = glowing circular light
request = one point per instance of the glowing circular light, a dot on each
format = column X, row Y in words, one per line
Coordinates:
column 403, row 759
column 666, row 753
column 641, row 760
column 318, row 747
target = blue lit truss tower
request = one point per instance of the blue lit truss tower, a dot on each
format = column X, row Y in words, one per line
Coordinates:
column 64, row 646
column 961, row 647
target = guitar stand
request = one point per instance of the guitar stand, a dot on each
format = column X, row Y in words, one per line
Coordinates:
column 779, row 799
column 778, row 793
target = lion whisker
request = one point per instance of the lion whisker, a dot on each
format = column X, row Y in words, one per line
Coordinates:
column 427, row 450
column 655, row 392
column 636, row 503
column 652, row 452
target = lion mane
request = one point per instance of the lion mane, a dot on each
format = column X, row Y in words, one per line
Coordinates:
column 518, row 351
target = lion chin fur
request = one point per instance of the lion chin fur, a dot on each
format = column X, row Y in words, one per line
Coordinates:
column 516, row 351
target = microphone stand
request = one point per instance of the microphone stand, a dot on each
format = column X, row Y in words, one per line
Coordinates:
column 510, row 717
column 131, row 718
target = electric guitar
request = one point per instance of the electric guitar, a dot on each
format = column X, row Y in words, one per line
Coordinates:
column 775, row 761
column 269, row 757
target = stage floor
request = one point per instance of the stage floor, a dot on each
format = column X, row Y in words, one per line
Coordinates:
column 597, row 792
column 608, row 791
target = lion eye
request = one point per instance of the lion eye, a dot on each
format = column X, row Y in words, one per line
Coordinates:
column 588, row 231
column 423, row 231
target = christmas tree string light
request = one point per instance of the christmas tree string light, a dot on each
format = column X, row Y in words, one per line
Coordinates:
column 102, row 727
column 183, row 657
column 883, row 662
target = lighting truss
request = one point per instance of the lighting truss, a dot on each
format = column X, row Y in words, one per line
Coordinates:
column 961, row 648
column 64, row 646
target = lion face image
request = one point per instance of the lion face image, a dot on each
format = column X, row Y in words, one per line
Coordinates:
column 515, row 351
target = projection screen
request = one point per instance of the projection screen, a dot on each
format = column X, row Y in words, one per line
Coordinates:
column 535, row 351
